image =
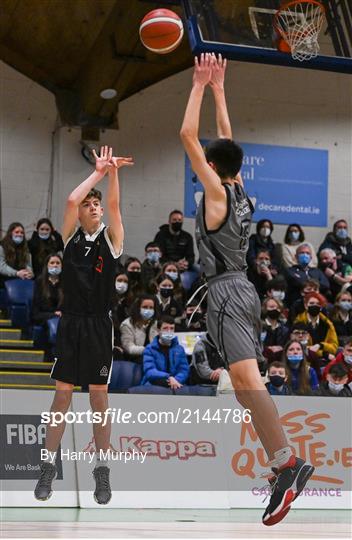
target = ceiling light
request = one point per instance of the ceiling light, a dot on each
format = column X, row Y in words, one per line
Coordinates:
column 108, row 93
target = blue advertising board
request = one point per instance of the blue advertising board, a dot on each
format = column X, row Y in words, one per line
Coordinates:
column 286, row 184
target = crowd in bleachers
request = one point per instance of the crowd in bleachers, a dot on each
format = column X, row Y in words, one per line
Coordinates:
column 306, row 300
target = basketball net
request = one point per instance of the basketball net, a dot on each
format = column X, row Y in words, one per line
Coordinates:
column 299, row 23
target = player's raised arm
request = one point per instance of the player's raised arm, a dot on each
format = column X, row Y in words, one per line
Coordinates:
column 115, row 230
column 216, row 83
column 190, row 128
column 81, row 191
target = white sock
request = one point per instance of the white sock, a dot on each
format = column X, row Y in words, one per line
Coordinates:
column 282, row 456
column 50, row 458
column 102, row 458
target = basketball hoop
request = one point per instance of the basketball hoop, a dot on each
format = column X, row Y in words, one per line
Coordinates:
column 299, row 23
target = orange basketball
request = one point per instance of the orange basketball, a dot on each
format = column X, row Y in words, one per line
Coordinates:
column 161, row 31
column 283, row 46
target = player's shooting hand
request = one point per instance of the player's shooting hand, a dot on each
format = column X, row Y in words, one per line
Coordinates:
column 118, row 162
column 218, row 72
column 203, row 69
column 102, row 161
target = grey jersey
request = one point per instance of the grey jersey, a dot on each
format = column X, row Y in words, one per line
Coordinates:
column 225, row 249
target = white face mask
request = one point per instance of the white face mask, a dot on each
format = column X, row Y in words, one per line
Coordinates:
column 265, row 231
column 121, row 287
column 348, row 359
column 278, row 295
column 334, row 387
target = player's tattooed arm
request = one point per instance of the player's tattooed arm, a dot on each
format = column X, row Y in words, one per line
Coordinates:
column 189, row 130
column 115, row 229
column 81, row 191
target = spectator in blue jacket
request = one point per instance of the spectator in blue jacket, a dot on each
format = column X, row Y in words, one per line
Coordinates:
column 164, row 359
column 300, row 376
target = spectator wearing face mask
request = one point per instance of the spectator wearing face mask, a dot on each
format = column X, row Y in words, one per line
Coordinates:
column 293, row 238
column 261, row 241
column 336, row 383
column 297, row 307
column 301, row 378
column 140, row 328
column 175, row 243
column 337, row 272
column 341, row 316
column 48, row 292
column 276, row 288
column 345, row 358
column 193, row 319
column 170, row 270
column 164, row 359
column 262, row 272
column 15, row 258
column 121, row 305
column 275, row 332
column 320, row 328
column 133, row 269
column 151, row 266
column 165, row 297
column 339, row 241
column 207, row 364
column 299, row 273
column 277, row 384
column 44, row 241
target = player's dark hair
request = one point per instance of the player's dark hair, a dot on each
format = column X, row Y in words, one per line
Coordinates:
column 227, row 157
column 43, row 281
column 261, row 223
column 175, row 212
column 301, row 238
column 94, row 194
column 16, row 256
column 165, row 319
column 338, row 370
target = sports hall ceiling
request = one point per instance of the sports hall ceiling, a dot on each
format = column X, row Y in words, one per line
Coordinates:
column 77, row 48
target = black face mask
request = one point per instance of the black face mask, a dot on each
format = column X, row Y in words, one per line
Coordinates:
column 277, row 380
column 134, row 276
column 325, row 265
column 176, row 227
column 314, row 310
column 273, row 313
column 166, row 292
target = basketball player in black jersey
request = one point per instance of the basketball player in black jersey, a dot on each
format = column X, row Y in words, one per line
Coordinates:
column 84, row 338
column 222, row 230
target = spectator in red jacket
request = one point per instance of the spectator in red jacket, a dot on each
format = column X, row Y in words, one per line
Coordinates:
column 344, row 357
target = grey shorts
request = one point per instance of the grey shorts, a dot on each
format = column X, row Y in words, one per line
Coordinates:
column 233, row 317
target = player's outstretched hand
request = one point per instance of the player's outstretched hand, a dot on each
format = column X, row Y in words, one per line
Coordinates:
column 118, row 162
column 203, row 69
column 218, row 72
column 102, row 161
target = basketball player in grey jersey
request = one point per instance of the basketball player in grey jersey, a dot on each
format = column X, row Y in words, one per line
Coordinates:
column 222, row 230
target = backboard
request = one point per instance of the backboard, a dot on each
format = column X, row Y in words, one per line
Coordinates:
column 243, row 30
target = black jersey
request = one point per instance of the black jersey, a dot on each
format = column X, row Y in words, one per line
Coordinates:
column 89, row 270
column 225, row 249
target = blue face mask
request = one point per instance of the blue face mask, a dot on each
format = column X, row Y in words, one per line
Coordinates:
column 341, row 233
column 44, row 236
column 54, row 271
column 295, row 360
column 303, row 259
column 294, row 235
column 17, row 239
column 166, row 338
column 147, row 314
column 345, row 305
column 172, row 275
column 153, row 256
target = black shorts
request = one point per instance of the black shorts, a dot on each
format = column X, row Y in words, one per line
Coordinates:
column 233, row 317
column 83, row 350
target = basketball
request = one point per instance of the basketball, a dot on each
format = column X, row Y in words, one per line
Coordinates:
column 161, row 31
